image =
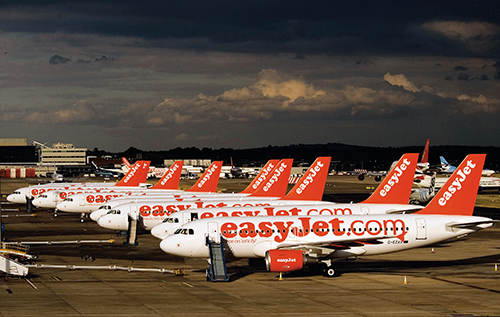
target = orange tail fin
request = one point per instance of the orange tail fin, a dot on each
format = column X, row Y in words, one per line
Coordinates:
column 262, row 176
column 312, row 184
column 458, row 195
column 136, row 175
column 170, row 179
column 277, row 182
column 396, row 186
column 208, row 182
column 425, row 154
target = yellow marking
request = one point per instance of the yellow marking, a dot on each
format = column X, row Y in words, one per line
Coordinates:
column 187, row 284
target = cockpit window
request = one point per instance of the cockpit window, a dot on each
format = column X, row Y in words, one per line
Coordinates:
column 115, row 212
column 184, row 231
column 171, row 220
column 69, row 199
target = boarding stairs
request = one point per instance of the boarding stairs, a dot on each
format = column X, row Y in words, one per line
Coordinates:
column 132, row 231
column 217, row 271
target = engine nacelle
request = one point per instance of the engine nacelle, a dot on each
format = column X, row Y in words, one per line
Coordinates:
column 287, row 260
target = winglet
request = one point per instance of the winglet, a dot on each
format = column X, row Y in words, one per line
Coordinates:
column 209, row 180
column 170, row 179
column 396, row 186
column 425, row 154
column 262, row 176
column 277, row 182
column 312, row 184
column 458, row 195
column 136, row 175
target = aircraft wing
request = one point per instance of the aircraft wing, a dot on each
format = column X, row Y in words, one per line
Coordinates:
column 340, row 244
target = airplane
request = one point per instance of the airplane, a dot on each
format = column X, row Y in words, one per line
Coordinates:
column 238, row 172
column 421, row 168
column 110, row 172
column 56, row 178
column 449, row 169
column 423, row 195
column 168, row 183
column 423, row 165
column 136, row 177
column 291, row 243
column 270, row 188
column 88, row 202
column 154, row 172
column 391, row 196
column 251, row 188
column 157, row 172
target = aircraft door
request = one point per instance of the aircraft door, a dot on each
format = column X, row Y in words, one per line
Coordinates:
column 186, row 217
column 421, row 229
column 133, row 212
column 213, row 232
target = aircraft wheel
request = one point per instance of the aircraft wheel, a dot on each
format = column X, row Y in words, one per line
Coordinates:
column 329, row 271
column 361, row 177
column 55, row 215
column 82, row 220
column 378, row 178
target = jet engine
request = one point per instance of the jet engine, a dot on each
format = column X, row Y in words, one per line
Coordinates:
column 287, row 260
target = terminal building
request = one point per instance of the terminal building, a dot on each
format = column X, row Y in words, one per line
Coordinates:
column 18, row 159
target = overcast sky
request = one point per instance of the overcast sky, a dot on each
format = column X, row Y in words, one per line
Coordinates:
column 161, row 74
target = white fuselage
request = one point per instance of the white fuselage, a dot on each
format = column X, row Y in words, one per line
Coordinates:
column 20, row 194
column 252, row 237
column 153, row 213
column 484, row 182
column 51, row 199
column 171, row 223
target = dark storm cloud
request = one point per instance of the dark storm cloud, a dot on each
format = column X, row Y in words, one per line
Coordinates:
column 300, row 27
column 57, row 59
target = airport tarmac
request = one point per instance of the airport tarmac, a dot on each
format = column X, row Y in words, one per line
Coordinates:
column 457, row 279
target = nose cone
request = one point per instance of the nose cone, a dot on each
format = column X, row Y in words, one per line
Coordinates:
column 173, row 245
column 16, row 198
column 44, row 203
column 184, row 245
column 162, row 231
column 114, row 222
column 64, row 206
column 37, row 202
column 95, row 215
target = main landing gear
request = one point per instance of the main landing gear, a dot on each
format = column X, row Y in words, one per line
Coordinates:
column 329, row 271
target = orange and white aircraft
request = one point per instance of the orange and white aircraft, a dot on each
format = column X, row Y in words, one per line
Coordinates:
column 391, row 196
column 88, row 202
column 168, row 183
column 251, row 188
column 289, row 243
column 136, row 177
column 152, row 212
